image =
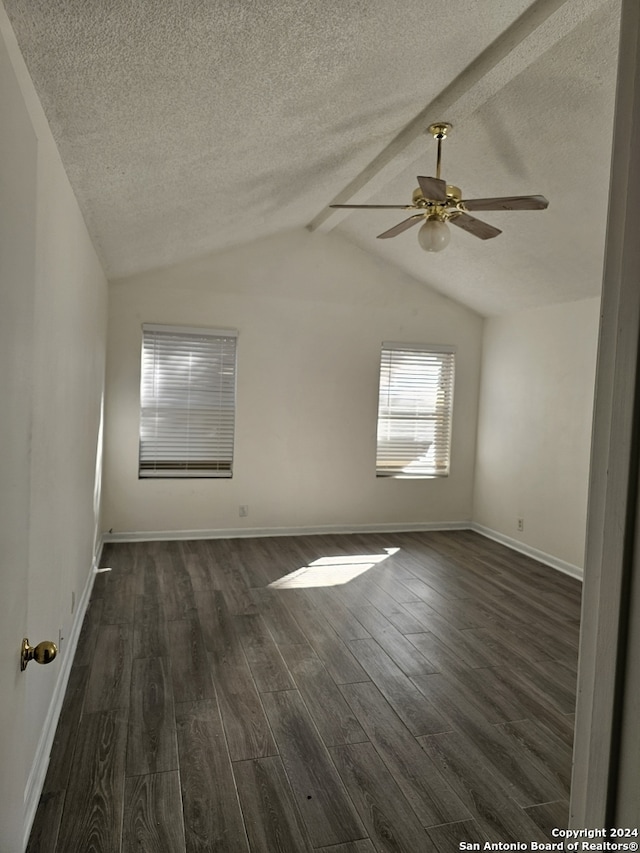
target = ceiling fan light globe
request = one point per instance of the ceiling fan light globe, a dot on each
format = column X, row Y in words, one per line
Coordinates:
column 434, row 235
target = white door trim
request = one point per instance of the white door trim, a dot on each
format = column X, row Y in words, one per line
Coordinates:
column 612, row 524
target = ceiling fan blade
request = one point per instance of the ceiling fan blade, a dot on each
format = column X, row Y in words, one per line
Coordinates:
column 376, row 206
column 511, row 202
column 434, row 189
column 401, row 226
column 474, row 226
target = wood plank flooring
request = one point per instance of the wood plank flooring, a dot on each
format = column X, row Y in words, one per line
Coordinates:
column 349, row 693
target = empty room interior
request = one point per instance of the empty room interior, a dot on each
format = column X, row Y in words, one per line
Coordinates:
column 300, row 329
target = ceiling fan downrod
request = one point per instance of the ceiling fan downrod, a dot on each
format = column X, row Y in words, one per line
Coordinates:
column 439, row 132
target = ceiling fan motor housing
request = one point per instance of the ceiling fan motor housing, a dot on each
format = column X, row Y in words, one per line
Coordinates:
column 440, row 208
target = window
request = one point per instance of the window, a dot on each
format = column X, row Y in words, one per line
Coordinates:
column 187, row 395
column 414, row 410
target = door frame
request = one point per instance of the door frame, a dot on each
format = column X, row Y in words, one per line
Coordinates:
column 604, row 788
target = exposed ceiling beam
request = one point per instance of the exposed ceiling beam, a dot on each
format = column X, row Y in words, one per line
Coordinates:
column 537, row 30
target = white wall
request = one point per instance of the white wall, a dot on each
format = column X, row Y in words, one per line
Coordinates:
column 54, row 305
column 534, row 427
column 312, row 311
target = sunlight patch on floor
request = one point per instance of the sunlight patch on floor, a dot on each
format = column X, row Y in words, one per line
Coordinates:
column 331, row 571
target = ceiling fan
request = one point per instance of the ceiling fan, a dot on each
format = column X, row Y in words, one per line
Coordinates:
column 439, row 203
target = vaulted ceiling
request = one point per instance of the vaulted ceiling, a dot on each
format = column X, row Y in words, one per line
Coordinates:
column 190, row 126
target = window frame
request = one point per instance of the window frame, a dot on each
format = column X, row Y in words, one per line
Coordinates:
column 395, row 455
column 188, row 414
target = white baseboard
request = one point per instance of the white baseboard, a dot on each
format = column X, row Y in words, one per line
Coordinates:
column 35, row 780
column 409, row 527
column 242, row 532
column 522, row 548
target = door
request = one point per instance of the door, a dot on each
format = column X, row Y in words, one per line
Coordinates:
column 18, row 159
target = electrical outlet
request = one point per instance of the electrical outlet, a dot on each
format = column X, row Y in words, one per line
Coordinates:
column 243, row 510
column 521, row 524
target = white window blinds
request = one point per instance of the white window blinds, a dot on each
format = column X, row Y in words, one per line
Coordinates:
column 414, row 410
column 187, row 390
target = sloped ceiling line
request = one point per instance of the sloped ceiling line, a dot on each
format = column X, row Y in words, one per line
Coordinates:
column 536, row 31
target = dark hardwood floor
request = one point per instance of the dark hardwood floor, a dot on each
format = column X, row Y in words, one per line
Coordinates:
column 405, row 692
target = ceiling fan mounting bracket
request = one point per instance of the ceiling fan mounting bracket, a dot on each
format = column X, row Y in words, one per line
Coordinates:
column 440, row 129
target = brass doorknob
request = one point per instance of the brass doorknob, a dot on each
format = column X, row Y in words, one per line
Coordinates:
column 44, row 652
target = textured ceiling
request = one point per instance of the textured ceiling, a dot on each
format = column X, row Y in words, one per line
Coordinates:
column 194, row 125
